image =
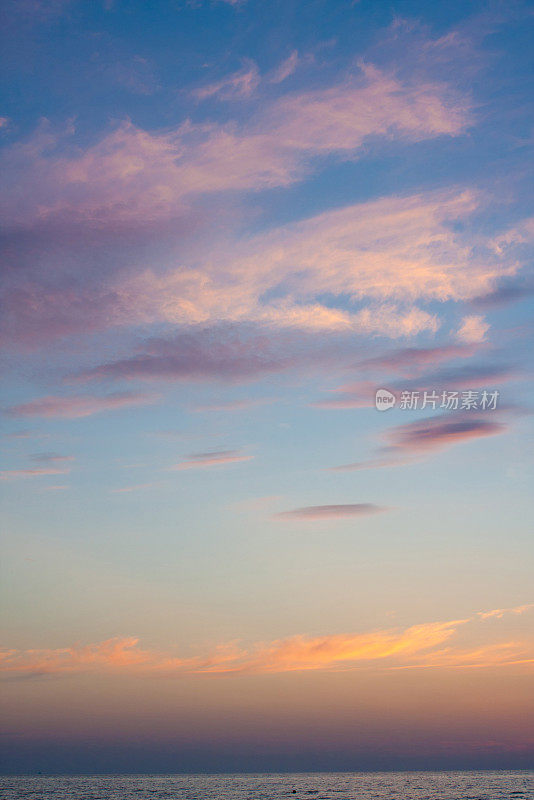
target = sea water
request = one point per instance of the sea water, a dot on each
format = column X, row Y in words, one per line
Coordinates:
column 319, row 786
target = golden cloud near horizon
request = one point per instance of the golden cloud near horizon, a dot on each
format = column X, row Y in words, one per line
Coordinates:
column 418, row 646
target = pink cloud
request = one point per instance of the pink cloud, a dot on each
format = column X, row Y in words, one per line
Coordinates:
column 473, row 329
column 240, row 84
column 79, row 405
column 132, row 174
column 408, row 242
column 32, row 473
column 215, row 458
column 285, row 69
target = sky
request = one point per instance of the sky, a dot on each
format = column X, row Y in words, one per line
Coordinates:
column 226, row 225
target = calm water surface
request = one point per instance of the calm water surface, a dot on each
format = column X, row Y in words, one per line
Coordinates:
column 328, row 786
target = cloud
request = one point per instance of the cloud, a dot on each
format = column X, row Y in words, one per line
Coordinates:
column 437, row 433
column 133, row 175
column 112, row 653
column 271, row 287
column 26, row 434
column 50, row 458
column 31, row 473
column 136, row 75
column 431, row 644
column 331, row 511
column 232, row 405
column 446, row 379
column 241, row 84
column 79, row 405
column 225, row 352
column 405, row 444
column 473, row 329
column 133, row 488
column 285, row 69
column 510, row 291
column 215, row 458
column 499, row 613
column 390, row 252
column 278, row 280
column 410, row 358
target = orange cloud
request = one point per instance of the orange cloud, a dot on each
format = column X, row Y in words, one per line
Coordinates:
column 501, row 612
column 418, row 646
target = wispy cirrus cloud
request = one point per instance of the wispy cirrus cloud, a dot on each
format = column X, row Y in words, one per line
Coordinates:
column 499, row 613
column 32, row 473
column 432, row 644
column 339, row 511
column 132, row 174
column 75, row 406
column 242, row 314
column 415, row 358
column 213, row 458
column 389, row 253
column 240, row 84
column 133, row 181
column 285, row 69
column 50, row 458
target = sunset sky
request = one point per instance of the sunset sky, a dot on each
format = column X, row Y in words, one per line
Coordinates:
column 226, row 224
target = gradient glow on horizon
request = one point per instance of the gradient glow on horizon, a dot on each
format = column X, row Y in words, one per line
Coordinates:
column 225, row 225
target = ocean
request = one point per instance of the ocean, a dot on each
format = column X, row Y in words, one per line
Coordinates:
column 322, row 786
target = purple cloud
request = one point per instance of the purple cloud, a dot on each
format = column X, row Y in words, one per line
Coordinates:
column 406, row 444
column 471, row 376
column 226, row 352
column 331, row 511
column 508, row 292
column 435, row 433
column 414, row 357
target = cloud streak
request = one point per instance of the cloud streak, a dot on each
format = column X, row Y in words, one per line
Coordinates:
column 31, row 473
column 331, row 511
column 215, row 458
column 77, row 406
column 406, row 444
column 424, row 645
